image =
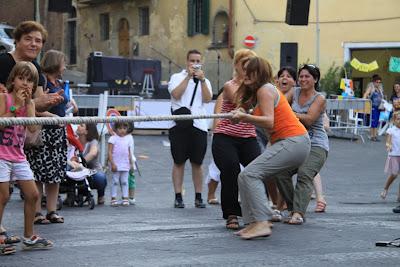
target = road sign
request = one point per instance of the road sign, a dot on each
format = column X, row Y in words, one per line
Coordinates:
column 249, row 41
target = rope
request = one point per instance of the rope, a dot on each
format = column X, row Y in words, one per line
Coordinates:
column 8, row 121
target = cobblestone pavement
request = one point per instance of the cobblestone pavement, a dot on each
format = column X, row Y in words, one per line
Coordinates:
column 153, row 233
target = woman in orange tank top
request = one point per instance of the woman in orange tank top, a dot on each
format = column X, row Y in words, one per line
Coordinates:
column 261, row 104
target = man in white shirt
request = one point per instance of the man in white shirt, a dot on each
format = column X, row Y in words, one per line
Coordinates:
column 189, row 142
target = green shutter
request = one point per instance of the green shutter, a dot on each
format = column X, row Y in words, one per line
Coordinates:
column 205, row 17
column 190, row 18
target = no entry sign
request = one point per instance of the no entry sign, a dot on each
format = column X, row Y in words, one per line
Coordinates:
column 249, row 41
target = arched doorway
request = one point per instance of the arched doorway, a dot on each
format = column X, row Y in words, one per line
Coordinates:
column 123, row 37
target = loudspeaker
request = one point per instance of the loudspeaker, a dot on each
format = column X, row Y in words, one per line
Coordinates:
column 289, row 55
column 61, row 6
column 297, row 12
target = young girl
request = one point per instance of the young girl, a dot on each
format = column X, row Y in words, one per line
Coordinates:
column 392, row 167
column 120, row 159
column 21, row 83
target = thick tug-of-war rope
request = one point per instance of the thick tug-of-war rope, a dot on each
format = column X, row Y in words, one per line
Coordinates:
column 78, row 120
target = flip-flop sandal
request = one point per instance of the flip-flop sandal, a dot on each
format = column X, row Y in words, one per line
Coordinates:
column 232, row 223
column 213, row 201
column 53, row 217
column 6, row 249
column 10, row 239
column 40, row 219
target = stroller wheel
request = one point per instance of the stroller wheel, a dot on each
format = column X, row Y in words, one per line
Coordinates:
column 80, row 201
column 59, row 203
column 69, row 201
column 91, row 203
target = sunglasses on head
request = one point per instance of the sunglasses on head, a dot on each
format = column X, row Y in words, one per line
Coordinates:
column 308, row 65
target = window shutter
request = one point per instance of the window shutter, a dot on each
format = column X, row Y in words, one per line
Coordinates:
column 190, row 18
column 205, row 19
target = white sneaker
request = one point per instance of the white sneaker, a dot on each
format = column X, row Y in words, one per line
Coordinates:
column 132, row 201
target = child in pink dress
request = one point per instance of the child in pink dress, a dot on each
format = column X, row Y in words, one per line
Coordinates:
column 120, row 159
column 392, row 167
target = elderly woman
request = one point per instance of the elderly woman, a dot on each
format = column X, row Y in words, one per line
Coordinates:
column 49, row 161
column 262, row 104
column 29, row 39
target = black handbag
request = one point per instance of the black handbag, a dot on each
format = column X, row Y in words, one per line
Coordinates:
column 184, row 124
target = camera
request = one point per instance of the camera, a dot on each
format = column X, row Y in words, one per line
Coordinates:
column 197, row 66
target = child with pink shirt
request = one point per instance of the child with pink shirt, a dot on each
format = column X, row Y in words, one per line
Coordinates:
column 18, row 102
column 120, row 159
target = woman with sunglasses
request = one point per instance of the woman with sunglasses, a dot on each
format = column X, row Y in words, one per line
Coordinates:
column 375, row 93
column 286, row 82
column 262, row 104
column 309, row 106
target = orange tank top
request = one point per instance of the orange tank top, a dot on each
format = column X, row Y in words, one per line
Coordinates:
column 286, row 124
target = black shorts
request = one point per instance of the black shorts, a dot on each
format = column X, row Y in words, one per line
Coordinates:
column 190, row 143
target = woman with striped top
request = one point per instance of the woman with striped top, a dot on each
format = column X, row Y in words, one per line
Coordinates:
column 233, row 144
column 262, row 104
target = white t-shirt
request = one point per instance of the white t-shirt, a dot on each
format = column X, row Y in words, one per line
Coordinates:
column 120, row 152
column 395, row 134
column 198, row 107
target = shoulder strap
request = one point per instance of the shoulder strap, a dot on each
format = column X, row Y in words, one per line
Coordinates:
column 194, row 92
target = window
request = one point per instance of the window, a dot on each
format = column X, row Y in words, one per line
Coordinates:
column 71, row 37
column 220, row 30
column 104, row 26
column 144, row 21
column 198, row 17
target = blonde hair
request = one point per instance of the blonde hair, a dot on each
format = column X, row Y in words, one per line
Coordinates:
column 24, row 69
column 243, row 53
column 52, row 61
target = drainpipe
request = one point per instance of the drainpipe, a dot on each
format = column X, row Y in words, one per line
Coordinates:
column 230, row 46
column 37, row 18
column 37, row 11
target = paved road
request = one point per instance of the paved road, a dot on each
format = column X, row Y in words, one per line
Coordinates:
column 153, row 233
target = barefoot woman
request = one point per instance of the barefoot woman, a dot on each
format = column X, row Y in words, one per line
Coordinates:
column 290, row 143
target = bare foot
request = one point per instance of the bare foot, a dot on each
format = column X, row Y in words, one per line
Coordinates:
column 244, row 230
column 258, row 229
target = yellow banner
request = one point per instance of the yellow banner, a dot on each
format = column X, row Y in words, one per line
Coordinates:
column 364, row 67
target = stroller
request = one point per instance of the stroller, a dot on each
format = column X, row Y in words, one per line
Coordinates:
column 77, row 182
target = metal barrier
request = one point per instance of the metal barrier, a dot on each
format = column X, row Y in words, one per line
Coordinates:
column 349, row 117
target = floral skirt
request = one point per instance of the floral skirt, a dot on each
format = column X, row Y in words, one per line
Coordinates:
column 48, row 162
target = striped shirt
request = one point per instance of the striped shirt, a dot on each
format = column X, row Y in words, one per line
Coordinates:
column 225, row 126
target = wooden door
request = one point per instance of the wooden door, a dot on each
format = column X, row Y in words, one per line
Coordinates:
column 123, row 37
